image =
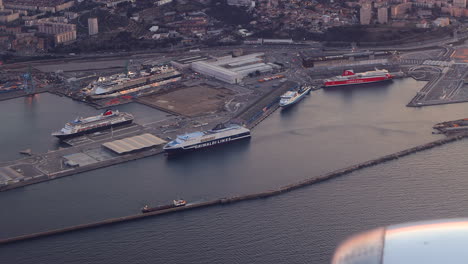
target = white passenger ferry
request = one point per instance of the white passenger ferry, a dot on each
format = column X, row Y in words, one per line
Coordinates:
column 218, row 135
column 81, row 126
column 292, row 97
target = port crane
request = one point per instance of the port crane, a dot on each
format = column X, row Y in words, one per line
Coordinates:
column 28, row 81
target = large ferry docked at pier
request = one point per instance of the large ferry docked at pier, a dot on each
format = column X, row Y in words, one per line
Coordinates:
column 292, row 97
column 81, row 126
column 349, row 77
column 218, row 135
column 122, row 84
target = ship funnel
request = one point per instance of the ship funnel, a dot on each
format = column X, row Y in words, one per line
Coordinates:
column 348, row 73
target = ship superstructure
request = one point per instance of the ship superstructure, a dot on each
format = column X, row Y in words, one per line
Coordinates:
column 121, row 84
column 81, row 126
column 292, row 97
column 349, row 77
column 218, row 135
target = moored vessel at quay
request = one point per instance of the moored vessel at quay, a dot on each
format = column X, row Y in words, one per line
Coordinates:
column 81, row 126
column 218, row 135
column 175, row 203
column 349, row 78
column 292, row 97
column 131, row 82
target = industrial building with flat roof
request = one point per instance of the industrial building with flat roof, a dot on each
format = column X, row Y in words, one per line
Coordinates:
column 187, row 62
column 233, row 69
column 135, row 143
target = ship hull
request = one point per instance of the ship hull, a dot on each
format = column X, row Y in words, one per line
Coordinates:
column 299, row 98
column 148, row 81
column 92, row 130
column 159, row 208
column 216, row 142
column 133, row 90
column 356, row 81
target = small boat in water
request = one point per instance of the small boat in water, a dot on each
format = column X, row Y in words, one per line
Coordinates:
column 292, row 97
column 175, row 203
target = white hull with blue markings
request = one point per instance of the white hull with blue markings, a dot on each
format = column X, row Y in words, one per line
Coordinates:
column 292, row 97
column 219, row 135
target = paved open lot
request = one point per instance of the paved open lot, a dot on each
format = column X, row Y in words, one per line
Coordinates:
column 191, row 101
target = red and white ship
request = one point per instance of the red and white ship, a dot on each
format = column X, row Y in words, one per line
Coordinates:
column 349, row 77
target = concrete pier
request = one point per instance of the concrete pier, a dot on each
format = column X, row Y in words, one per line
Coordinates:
column 235, row 199
column 264, row 106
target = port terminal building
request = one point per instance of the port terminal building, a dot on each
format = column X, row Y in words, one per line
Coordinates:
column 231, row 69
column 186, row 63
column 315, row 59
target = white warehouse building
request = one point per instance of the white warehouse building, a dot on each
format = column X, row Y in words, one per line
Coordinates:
column 217, row 72
column 233, row 69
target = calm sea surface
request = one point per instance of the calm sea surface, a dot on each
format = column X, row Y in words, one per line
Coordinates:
column 328, row 130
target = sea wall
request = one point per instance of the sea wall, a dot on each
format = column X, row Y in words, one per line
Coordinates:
column 240, row 198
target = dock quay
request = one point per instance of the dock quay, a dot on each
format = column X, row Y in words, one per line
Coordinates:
column 240, row 198
column 264, row 106
column 446, row 85
column 86, row 153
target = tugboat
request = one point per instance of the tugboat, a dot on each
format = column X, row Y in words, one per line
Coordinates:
column 292, row 97
column 175, row 203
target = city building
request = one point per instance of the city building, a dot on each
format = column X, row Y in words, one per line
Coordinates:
column 27, row 43
column 39, row 5
column 70, row 15
column 459, row 3
column 7, row 16
column 190, row 25
column 424, row 3
column 442, row 22
column 113, row 3
column 10, row 30
column 423, row 24
column 457, row 11
column 61, row 32
column 163, row 2
column 400, row 9
column 239, row 2
column 382, row 15
column 64, row 37
column 365, row 14
column 233, row 69
column 93, row 28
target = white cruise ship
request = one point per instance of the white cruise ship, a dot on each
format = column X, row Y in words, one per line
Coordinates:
column 218, row 135
column 122, row 84
column 81, row 126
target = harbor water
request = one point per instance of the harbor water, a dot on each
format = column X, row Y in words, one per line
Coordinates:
column 328, row 130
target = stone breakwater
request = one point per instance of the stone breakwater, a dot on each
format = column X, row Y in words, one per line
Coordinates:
column 240, row 198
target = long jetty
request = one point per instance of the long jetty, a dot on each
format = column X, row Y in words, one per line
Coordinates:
column 235, row 199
